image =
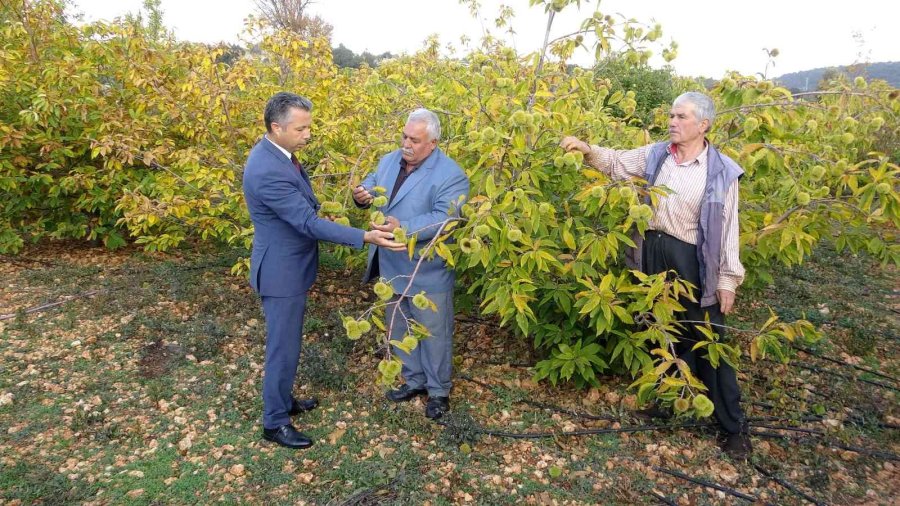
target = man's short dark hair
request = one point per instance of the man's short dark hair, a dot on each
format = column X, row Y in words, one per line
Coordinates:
column 279, row 106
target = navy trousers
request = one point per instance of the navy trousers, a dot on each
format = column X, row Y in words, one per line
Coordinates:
column 661, row 253
column 284, row 336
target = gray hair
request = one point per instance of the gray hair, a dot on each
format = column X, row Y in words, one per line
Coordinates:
column 432, row 123
column 279, row 106
column 704, row 108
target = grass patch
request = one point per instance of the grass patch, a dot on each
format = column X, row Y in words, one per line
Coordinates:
column 149, row 393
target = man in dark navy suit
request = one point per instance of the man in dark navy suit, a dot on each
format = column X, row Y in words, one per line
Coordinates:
column 285, row 257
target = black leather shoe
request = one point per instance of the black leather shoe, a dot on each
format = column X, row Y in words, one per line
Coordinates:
column 437, row 407
column 404, row 393
column 653, row 412
column 303, row 405
column 288, row 436
column 738, row 446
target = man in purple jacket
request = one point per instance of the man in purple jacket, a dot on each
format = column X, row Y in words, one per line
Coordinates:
column 693, row 231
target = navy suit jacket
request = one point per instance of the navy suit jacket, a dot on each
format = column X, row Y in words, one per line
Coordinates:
column 286, row 225
column 431, row 194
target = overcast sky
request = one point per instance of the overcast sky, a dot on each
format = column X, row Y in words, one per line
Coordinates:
column 713, row 36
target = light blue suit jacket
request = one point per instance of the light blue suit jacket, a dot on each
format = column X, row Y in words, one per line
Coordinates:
column 429, row 196
column 286, row 225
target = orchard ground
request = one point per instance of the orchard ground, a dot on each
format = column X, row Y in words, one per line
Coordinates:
column 141, row 385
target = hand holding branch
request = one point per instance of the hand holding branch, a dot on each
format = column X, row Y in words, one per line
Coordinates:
column 383, row 239
column 362, row 196
column 570, row 143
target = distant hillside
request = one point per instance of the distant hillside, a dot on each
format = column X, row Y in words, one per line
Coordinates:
column 809, row 79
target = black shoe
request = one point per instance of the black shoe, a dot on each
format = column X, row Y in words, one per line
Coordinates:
column 653, row 412
column 288, row 436
column 303, row 405
column 738, row 446
column 404, row 393
column 436, row 407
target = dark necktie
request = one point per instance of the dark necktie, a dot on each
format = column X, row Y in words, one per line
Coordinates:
column 296, row 163
column 300, row 169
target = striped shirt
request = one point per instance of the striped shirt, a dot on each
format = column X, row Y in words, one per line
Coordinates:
column 678, row 213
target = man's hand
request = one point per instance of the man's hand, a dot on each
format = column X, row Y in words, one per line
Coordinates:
column 390, row 223
column 726, row 300
column 362, row 196
column 384, row 240
column 570, row 143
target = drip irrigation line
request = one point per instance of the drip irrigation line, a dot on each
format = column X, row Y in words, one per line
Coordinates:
column 810, row 418
column 584, row 432
column 478, row 321
column 663, row 499
column 523, row 365
column 569, row 412
column 792, row 429
column 845, row 364
column 44, row 307
column 24, row 262
column 840, row 446
column 470, row 379
column 708, row 484
column 784, row 483
column 589, row 416
column 866, row 451
column 813, row 368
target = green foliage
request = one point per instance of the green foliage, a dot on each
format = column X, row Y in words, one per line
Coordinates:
column 346, row 58
column 111, row 133
column 652, row 88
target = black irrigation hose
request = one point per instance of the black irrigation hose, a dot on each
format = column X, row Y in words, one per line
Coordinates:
column 765, row 405
column 51, row 305
column 541, row 405
column 845, row 376
column 839, row 362
column 708, row 484
column 784, row 483
column 810, row 418
column 840, row 446
column 866, row 451
column 663, row 499
column 649, row 428
column 477, row 321
column 23, row 262
column 569, row 412
column 588, row 416
column 522, row 365
column 470, row 379
column 792, row 429
column 584, row 432
column 815, row 418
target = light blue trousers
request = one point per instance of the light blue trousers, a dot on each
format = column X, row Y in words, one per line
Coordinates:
column 430, row 364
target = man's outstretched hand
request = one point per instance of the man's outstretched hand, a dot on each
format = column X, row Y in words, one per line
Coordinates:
column 390, row 223
column 384, row 240
column 570, row 144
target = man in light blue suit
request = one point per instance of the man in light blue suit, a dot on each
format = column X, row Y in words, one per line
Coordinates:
column 285, row 254
column 425, row 188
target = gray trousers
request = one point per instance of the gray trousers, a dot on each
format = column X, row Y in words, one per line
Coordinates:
column 430, row 364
